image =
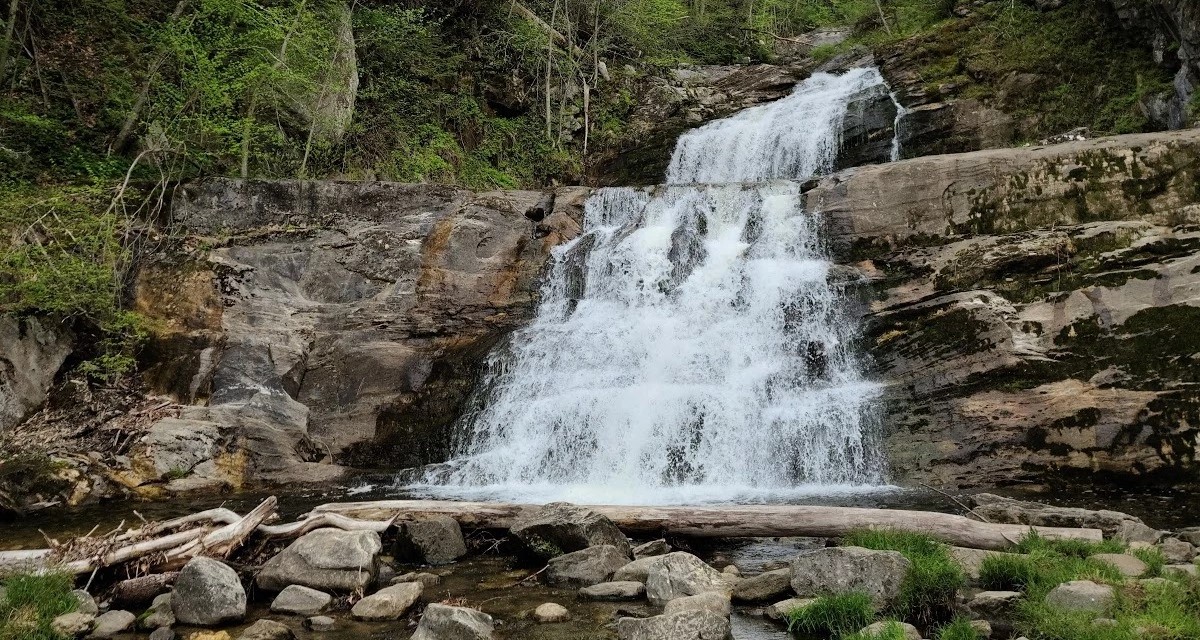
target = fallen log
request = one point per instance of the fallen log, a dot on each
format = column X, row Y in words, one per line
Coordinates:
column 734, row 521
column 215, row 533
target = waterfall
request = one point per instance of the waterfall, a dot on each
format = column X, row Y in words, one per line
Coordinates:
column 691, row 343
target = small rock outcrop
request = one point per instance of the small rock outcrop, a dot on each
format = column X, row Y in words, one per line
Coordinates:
column 998, row 608
column 717, row 603
column 389, row 603
column 585, row 567
column 614, row 591
column 1129, row 566
column 430, row 541
column 158, row 615
column 635, row 571
column 879, row 574
column 442, row 622
column 325, row 559
column 764, row 587
column 551, row 612
column 883, row 626
column 208, row 593
column 653, row 548
column 680, row 574
column 267, row 630
column 301, row 601
column 74, row 624
column 1082, row 595
column 560, row 527
column 684, row 625
column 1008, row 510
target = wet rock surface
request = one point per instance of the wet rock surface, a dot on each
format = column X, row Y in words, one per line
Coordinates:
column 1025, row 307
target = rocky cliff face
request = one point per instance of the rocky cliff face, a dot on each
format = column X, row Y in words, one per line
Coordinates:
column 1174, row 30
column 332, row 324
column 1033, row 310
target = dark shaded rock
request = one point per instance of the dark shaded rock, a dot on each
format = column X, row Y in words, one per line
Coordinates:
column 559, row 527
column 434, row 541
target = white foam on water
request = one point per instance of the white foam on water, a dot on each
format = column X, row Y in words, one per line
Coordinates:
column 689, row 345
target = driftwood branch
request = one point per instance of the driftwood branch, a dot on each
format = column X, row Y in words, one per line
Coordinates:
column 733, row 521
column 215, row 532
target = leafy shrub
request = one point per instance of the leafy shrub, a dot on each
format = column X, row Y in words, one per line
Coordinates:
column 929, row 589
column 837, row 615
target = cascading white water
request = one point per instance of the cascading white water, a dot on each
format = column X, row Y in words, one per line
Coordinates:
column 690, row 344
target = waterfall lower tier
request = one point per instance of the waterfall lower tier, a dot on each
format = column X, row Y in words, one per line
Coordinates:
column 690, row 344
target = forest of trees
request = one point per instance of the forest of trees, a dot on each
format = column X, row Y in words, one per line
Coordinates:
column 107, row 105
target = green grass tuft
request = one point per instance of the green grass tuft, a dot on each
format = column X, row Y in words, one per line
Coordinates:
column 1033, row 542
column 32, row 602
column 1154, row 559
column 929, row 589
column 836, row 615
column 958, row 629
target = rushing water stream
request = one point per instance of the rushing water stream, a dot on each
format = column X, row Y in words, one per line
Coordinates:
column 690, row 344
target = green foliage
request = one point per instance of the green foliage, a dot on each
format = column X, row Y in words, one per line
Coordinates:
column 1033, row 542
column 929, row 589
column 1167, row 608
column 958, row 629
column 892, row 630
column 32, row 602
column 64, row 258
column 838, row 615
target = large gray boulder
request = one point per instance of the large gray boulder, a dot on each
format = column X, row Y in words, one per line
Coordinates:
column 1082, row 595
column 301, row 601
column 680, row 574
column 683, row 625
column 325, row 559
column 208, row 593
column 585, row 567
column 768, row 586
column 437, row 540
column 442, row 622
column 390, row 603
column 879, row 574
column 560, row 527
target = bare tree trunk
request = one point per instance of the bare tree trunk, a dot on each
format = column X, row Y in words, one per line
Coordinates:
column 144, row 94
column 555, row 35
column 883, row 18
column 10, row 27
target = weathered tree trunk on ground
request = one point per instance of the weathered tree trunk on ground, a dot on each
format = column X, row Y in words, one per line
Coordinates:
column 731, row 521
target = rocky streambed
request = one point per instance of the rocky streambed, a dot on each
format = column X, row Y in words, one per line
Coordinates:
column 564, row 571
